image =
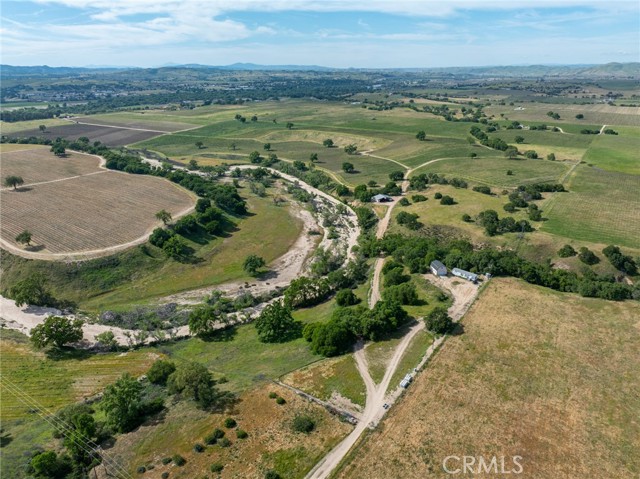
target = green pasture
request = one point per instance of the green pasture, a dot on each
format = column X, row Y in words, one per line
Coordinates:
column 492, row 171
column 616, row 153
column 601, row 207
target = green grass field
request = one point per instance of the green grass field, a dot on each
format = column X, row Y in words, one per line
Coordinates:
column 240, row 357
column 492, row 171
column 53, row 383
column 601, row 206
column 616, row 153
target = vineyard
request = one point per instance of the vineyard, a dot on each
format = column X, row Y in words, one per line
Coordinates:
column 35, row 164
column 95, row 213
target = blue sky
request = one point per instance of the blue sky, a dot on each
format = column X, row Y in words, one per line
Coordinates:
column 338, row 33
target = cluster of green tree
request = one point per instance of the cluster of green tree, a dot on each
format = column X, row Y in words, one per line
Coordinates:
column 207, row 218
column 620, row 261
column 554, row 115
column 80, row 433
column 587, row 256
column 409, row 220
column 495, row 143
column 541, row 127
column 567, row 251
column 609, row 131
column 364, row 193
column 485, row 190
column 520, row 197
column 339, row 333
column 397, row 285
column 31, row 113
column 438, row 320
column 315, row 178
column 33, row 290
column 493, row 225
column 468, row 114
column 587, row 131
column 417, row 254
column 420, row 182
column 126, row 404
column 367, row 218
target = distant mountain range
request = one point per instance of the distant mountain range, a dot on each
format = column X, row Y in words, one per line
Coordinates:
column 612, row 70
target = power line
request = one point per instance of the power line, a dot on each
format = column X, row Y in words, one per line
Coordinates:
column 87, row 445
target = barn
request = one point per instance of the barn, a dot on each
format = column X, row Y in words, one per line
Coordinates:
column 380, row 198
column 438, row 268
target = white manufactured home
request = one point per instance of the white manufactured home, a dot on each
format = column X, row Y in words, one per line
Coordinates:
column 460, row 273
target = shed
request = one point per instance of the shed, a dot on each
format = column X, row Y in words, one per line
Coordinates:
column 438, row 268
column 380, row 198
column 464, row 274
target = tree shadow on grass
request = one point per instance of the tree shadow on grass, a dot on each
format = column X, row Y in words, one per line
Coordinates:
column 5, row 439
column 458, row 330
column 35, row 248
column 220, row 335
column 66, row 353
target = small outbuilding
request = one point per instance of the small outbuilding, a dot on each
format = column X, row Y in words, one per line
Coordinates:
column 438, row 268
column 460, row 273
column 380, row 198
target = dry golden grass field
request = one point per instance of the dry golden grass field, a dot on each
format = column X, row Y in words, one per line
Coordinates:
column 548, row 376
column 271, row 443
column 73, row 207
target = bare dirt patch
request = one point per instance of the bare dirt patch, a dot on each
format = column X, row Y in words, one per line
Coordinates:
column 540, row 374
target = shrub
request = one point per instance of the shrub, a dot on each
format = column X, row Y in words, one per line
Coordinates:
column 214, row 436
column 404, row 202
column 241, row 434
column 482, row 189
column 178, row 460
column 166, row 460
column 141, row 469
column 509, row 208
column 281, row 400
column 447, row 200
column 272, row 395
column 437, row 196
column 198, row 447
column 164, row 475
column 224, row 442
column 230, row 423
column 160, row 371
column 303, row 424
column 394, row 277
column 438, row 320
column 588, row 257
column 345, row 297
column 566, row 251
column 272, row 475
column 216, row 467
column 405, row 293
column 466, row 218
column 418, row 198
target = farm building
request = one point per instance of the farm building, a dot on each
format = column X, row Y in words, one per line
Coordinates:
column 465, row 274
column 438, row 268
column 381, row 198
